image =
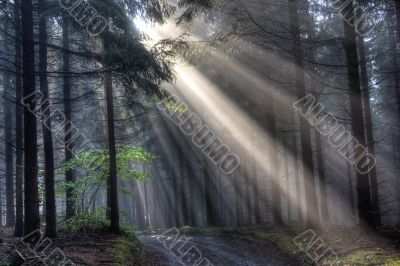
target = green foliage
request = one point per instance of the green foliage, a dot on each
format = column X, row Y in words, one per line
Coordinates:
column 125, row 251
column 174, row 106
column 6, row 261
column 96, row 166
column 92, row 222
column 87, row 222
column 128, row 230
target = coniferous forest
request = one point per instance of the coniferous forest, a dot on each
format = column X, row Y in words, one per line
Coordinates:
column 200, row 132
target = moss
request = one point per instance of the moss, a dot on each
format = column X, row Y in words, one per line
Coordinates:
column 283, row 241
column 367, row 258
column 127, row 250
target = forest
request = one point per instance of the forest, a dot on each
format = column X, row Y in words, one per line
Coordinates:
column 200, row 132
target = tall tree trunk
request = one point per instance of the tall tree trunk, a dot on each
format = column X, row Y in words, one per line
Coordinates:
column 182, row 190
column 286, row 161
column 1, row 205
column 8, row 137
column 365, row 209
column 19, row 155
column 369, row 131
column 209, row 200
column 257, row 188
column 32, row 219
column 112, row 178
column 313, row 219
column 51, row 230
column 69, row 175
column 397, row 7
column 176, row 198
column 322, row 179
column 395, row 47
column 239, row 198
column 274, row 163
column 351, row 193
column 297, row 177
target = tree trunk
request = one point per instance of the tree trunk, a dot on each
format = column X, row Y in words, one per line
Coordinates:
column 363, row 187
column 397, row 6
column 32, row 219
column 297, row 178
column 257, row 188
column 396, row 51
column 274, row 163
column 69, row 175
column 286, row 161
column 51, row 230
column 322, row 179
column 313, row 219
column 369, row 131
column 112, row 179
column 8, row 138
column 209, row 202
column 239, row 199
column 19, row 156
column 248, row 191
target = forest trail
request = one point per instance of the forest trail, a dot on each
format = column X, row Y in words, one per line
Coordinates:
column 219, row 251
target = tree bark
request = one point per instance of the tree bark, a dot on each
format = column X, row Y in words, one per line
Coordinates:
column 295, row 152
column 8, row 138
column 19, row 155
column 274, row 163
column 322, row 179
column 112, row 179
column 312, row 212
column 365, row 209
column 51, row 230
column 369, row 130
column 69, row 175
column 286, row 161
column 397, row 7
column 32, row 219
column 9, row 153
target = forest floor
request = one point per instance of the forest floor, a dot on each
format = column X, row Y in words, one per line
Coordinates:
column 92, row 249
column 218, row 250
column 352, row 246
column 257, row 245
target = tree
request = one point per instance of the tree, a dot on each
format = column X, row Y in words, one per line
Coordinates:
column 32, row 220
column 51, row 216
column 145, row 71
column 19, row 170
column 365, row 209
column 313, row 219
column 68, row 145
column 112, row 179
column 8, row 137
column 9, row 153
column 274, row 163
column 369, row 131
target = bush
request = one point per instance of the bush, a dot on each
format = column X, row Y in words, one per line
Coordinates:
column 87, row 222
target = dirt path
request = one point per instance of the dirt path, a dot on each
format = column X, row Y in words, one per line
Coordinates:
column 219, row 251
